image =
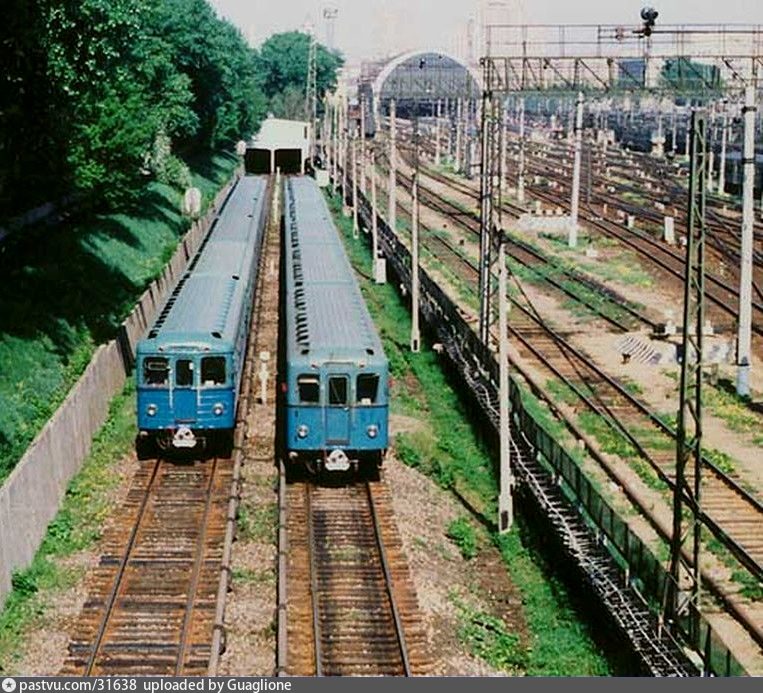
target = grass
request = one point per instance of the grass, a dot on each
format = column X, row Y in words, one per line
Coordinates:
column 462, row 533
column 447, row 449
column 561, row 643
column 259, row 523
column 66, row 291
column 76, row 527
column 488, row 639
column 734, row 411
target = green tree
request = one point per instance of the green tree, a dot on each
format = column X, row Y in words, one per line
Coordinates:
column 282, row 64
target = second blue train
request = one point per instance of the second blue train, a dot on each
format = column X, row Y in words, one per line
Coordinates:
column 335, row 379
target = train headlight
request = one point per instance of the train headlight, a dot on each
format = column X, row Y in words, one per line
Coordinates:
column 372, row 431
column 151, row 409
column 302, row 431
column 218, row 408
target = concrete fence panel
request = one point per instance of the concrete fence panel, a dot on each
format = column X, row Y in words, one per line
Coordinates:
column 31, row 496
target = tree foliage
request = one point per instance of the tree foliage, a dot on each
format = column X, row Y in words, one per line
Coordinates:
column 98, row 95
column 104, row 90
column 282, row 66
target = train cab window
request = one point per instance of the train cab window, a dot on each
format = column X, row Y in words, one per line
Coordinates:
column 338, row 389
column 367, row 388
column 156, row 371
column 184, row 373
column 213, row 370
column 309, row 387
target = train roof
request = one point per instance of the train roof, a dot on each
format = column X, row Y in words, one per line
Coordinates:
column 244, row 204
column 327, row 318
column 207, row 306
column 206, row 312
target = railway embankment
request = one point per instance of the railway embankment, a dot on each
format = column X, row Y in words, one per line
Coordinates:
column 67, row 289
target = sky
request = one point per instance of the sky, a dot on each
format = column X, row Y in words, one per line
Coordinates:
column 367, row 29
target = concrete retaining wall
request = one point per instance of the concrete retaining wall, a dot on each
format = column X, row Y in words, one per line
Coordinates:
column 31, row 496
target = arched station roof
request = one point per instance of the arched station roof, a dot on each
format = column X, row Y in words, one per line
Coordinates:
column 426, row 75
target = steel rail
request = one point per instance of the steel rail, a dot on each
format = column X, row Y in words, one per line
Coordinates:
column 121, row 571
column 318, row 653
column 388, row 583
column 195, row 574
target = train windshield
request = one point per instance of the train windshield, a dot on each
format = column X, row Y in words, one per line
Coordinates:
column 184, row 373
column 338, row 389
column 156, row 371
column 213, row 370
column 367, row 388
column 309, row 389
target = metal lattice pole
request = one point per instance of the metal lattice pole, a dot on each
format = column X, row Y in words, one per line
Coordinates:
column 311, row 93
column 392, row 183
column 490, row 205
column 415, row 333
column 683, row 593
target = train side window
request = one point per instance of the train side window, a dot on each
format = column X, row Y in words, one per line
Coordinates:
column 367, row 388
column 338, row 389
column 156, row 371
column 184, row 373
column 309, row 387
column 213, row 370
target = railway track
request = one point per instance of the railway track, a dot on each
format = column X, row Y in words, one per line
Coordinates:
column 614, row 309
column 723, row 295
column 658, row 187
column 152, row 597
column 731, row 513
column 350, row 605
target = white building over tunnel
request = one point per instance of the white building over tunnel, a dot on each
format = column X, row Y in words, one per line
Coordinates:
column 280, row 144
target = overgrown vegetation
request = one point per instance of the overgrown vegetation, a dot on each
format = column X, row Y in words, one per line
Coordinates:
column 77, row 526
column 134, row 81
column 446, row 448
column 488, row 639
column 462, row 533
column 282, row 65
column 54, row 313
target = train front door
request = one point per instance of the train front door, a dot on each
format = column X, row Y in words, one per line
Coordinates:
column 184, row 396
column 338, row 410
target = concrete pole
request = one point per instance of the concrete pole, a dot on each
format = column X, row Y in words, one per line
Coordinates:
column 449, row 126
column 505, row 148
column 355, row 225
column 345, row 156
column 575, row 201
column 374, row 222
column 392, row 187
column 415, row 335
column 688, row 136
column 328, row 142
column 724, row 139
column 335, row 148
column 363, row 145
column 744, row 340
column 505, row 500
column 437, row 142
column 521, row 162
column 459, row 109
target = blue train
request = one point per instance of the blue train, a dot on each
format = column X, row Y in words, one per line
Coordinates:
column 189, row 365
column 335, row 375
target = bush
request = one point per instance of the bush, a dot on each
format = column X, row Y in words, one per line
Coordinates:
column 462, row 534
